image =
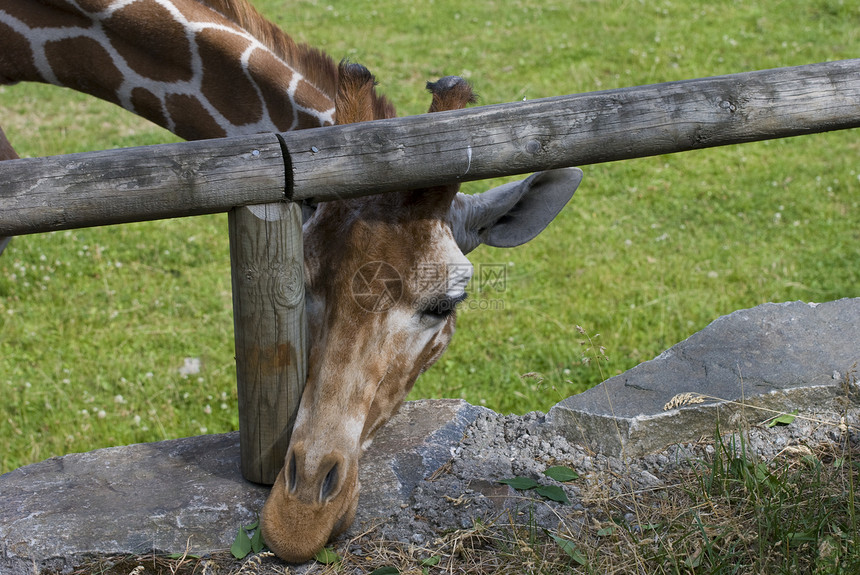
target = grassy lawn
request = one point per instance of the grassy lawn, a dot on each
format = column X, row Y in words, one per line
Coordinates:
column 96, row 324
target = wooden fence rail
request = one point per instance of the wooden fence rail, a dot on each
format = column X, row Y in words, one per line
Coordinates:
column 173, row 180
column 251, row 177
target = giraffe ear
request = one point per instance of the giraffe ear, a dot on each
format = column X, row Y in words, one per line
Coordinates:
column 512, row 214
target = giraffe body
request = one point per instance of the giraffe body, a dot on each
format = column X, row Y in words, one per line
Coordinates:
column 182, row 64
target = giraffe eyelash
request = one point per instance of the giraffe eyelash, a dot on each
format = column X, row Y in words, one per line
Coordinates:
column 444, row 306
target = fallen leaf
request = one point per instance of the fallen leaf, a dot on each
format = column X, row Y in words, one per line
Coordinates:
column 241, row 545
column 784, row 419
column 553, row 492
column 520, row 483
column 326, row 556
column 561, row 473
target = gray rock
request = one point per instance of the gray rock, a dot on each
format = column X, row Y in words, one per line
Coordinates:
column 749, row 363
column 133, row 499
column 163, row 496
column 414, row 444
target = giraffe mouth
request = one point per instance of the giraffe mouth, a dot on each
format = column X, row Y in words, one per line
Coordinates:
column 295, row 527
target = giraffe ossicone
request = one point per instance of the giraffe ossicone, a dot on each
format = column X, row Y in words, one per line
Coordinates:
column 210, row 68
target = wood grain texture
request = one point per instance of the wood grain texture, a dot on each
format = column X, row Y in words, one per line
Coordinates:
column 192, row 178
column 507, row 139
column 270, row 330
column 139, row 184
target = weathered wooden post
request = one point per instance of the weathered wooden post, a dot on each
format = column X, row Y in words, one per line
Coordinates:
column 270, row 330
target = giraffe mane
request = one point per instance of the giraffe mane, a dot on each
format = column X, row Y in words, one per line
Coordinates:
column 314, row 64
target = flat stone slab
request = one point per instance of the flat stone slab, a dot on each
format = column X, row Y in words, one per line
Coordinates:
column 163, row 496
column 414, row 444
column 160, row 497
column 153, row 496
column 746, row 365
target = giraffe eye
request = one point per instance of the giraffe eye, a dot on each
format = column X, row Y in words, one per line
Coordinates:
column 442, row 307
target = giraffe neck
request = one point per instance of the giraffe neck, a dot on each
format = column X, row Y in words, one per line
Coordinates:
column 200, row 68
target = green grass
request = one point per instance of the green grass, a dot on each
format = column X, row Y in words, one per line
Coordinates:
column 95, row 323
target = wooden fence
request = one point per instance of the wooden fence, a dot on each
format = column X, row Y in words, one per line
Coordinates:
column 258, row 180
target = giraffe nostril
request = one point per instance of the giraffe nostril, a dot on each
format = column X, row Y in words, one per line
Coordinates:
column 330, row 482
column 291, row 473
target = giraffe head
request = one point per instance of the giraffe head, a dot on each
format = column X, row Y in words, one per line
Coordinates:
column 383, row 277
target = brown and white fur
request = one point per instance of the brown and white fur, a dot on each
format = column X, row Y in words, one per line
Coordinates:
column 363, row 363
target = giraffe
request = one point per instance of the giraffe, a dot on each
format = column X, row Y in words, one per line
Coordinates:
column 211, row 68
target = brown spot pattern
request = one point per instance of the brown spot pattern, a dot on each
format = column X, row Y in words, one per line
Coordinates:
column 200, row 12
column 192, row 121
column 16, row 60
column 95, row 5
column 157, row 47
column 308, row 96
column 83, row 65
column 224, row 82
column 153, row 44
column 306, row 120
column 273, row 78
column 46, row 13
column 147, row 104
column 7, row 152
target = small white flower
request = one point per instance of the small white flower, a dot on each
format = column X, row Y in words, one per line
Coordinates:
column 191, row 366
